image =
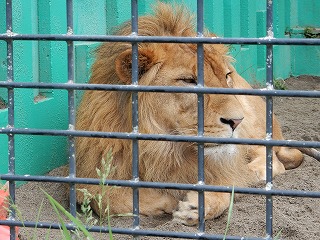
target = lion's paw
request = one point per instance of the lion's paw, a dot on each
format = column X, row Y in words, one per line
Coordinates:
column 186, row 214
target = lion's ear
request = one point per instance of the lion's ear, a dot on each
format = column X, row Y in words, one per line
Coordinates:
column 123, row 64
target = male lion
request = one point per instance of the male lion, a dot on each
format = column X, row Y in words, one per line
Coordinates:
column 227, row 116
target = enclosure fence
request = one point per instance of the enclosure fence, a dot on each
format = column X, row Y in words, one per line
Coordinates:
column 70, row 86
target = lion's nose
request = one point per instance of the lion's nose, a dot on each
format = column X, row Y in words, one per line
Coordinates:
column 233, row 123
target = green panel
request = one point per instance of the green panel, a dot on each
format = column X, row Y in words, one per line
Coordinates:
column 86, row 20
column 302, row 63
column 112, row 16
column 84, row 57
column 238, row 17
column 213, row 17
column 228, row 17
column 306, row 59
column 282, row 54
column 235, row 18
column 261, row 50
column 43, row 50
column 3, row 93
column 244, row 19
column 3, row 64
column 312, row 8
column 33, row 62
column 143, row 6
column 3, row 143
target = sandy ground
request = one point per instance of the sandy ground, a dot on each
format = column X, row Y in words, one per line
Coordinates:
column 297, row 218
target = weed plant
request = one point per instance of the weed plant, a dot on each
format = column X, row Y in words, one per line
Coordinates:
column 87, row 212
column 81, row 227
column 279, row 84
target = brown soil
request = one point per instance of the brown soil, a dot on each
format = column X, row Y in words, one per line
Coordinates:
column 295, row 217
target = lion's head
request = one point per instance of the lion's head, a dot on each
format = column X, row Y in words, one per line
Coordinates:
column 164, row 64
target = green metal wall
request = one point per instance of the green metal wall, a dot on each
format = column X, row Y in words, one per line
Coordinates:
column 36, row 62
column 46, row 61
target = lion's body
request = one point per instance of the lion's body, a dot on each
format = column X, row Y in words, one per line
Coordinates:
column 172, row 113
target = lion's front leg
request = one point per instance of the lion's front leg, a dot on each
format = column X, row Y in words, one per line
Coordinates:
column 215, row 204
column 119, row 200
column 258, row 163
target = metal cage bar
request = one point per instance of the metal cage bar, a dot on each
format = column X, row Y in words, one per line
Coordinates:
column 166, row 89
column 135, row 115
column 11, row 138
column 71, row 108
column 200, row 78
column 269, row 120
column 126, row 231
column 160, row 137
column 161, row 39
column 160, row 185
column 135, row 136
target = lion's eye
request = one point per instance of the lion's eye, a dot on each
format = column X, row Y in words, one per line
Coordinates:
column 228, row 75
column 189, row 81
column 229, row 80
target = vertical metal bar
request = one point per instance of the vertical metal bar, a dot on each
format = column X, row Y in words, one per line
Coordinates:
column 71, row 108
column 135, row 115
column 200, row 77
column 11, row 140
column 269, row 120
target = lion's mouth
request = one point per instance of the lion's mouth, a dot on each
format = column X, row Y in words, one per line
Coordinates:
column 233, row 134
column 211, row 145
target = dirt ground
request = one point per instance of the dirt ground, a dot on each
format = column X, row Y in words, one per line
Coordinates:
column 297, row 218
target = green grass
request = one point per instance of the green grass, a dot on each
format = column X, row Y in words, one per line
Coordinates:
column 229, row 213
column 104, row 214
column 60, row 209
column 277, row 237
column 279, row 84
column 311, row 32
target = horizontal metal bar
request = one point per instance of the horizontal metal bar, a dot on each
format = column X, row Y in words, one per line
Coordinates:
column 163, row 89
column 126, row 231
column 162, row 185
column 160, row 39
column 160, row 137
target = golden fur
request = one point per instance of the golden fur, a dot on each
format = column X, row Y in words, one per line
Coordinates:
column 169, row 64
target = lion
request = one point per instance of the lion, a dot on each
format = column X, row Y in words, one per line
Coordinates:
column 225, row 116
